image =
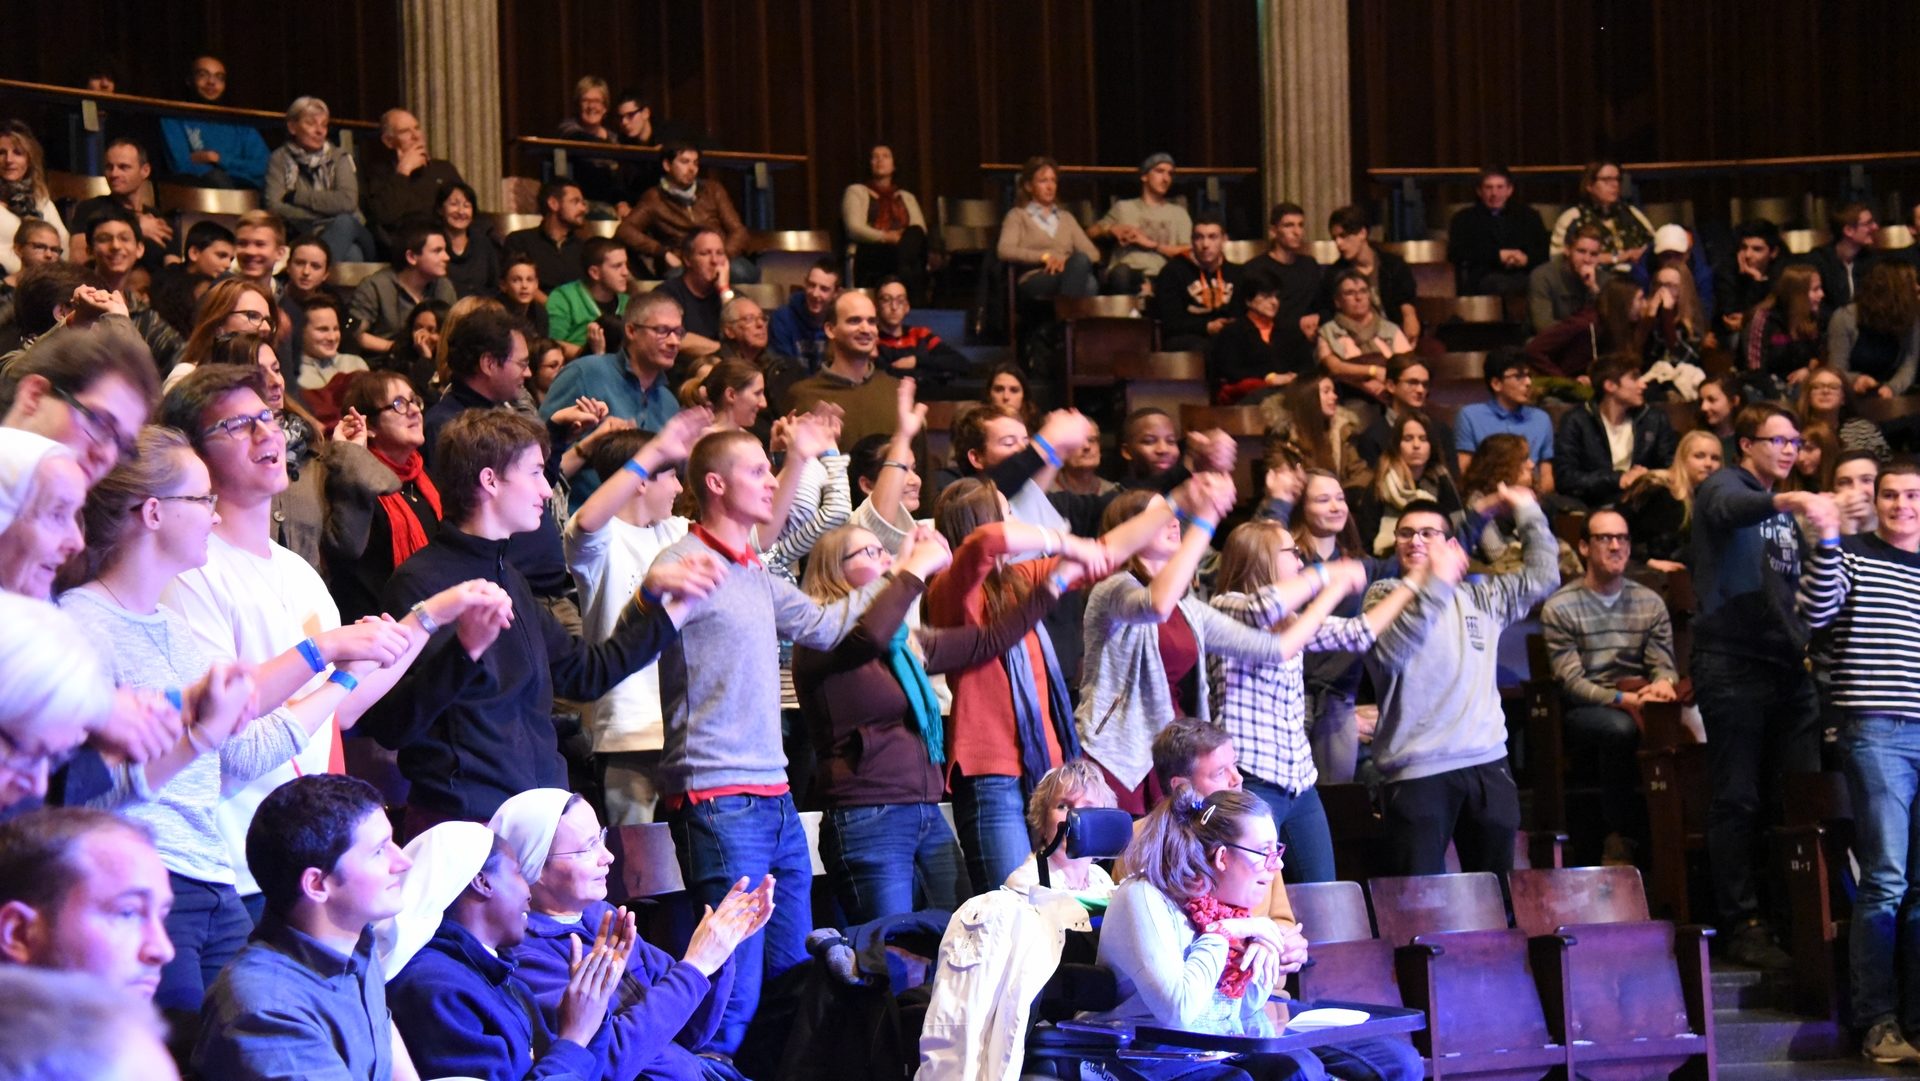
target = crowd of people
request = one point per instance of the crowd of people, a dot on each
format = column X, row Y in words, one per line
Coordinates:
column 547, row 556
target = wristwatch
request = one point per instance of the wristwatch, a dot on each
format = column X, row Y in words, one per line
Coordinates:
column 425, row 618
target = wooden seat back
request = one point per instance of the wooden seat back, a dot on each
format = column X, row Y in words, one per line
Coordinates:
column 1461, row 366
column 1093, row 343
column 1405, row 908
column 1361, row 970
column 1481, row 1001
column 1330, row 911
column 1546, row 898
column 1623, row 984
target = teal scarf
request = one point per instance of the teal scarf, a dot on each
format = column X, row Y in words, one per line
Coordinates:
column 920, row 699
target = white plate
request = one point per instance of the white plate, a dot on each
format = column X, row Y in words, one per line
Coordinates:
column 1329, row 1017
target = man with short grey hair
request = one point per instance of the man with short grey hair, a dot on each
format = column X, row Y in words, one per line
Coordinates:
column 403, row 179
column 313, row 184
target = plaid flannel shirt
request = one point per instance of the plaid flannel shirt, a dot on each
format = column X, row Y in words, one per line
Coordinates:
column 1263, row 707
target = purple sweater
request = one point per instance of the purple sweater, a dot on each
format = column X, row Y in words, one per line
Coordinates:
column 665, row 1011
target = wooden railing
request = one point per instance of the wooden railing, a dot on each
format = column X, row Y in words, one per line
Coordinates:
column 757, row 165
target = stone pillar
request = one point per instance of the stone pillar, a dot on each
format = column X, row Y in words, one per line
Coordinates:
column 1305, row 105
column 451, row 55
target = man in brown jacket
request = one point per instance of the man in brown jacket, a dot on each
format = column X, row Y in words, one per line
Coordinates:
column 665, row 213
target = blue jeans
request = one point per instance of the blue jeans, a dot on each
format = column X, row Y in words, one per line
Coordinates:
column 1076, row 279
column 723, row 840
column 1302, row 822
column 1762, row 721
column 1881, row 759
column 992, row 819
column 346, row 239
column 1335, row 736
column 892, row 858
column 208, row 925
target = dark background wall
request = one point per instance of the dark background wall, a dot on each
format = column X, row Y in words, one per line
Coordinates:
column 952, row 84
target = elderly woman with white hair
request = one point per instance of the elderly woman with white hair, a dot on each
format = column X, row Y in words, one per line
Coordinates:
column 312, row 184
column 42, row 489
column 53, row 691
column 666, row 1012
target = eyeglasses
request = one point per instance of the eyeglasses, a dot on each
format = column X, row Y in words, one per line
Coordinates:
column 1429, row 534
column 209, row 501
column 664, row 331
column 598, row 844
column 253, row 317
column 404, row 406
column 1609, row 538
column 23, row 760
column 1782, row 442
column 627, row 114
column 1268, row 856
column 99, row 429
column 750, row 321
column 1291, row 550
column 43, row 248
column 243, row 425
column 871, row 551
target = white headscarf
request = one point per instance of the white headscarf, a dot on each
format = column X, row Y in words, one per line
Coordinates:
column 445, row 859
column 21, row 453
column 527, row 823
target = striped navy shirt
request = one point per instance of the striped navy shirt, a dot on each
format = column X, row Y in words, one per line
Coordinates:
column 1867, row 593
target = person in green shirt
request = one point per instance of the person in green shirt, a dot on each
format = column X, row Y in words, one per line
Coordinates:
column 601, row 290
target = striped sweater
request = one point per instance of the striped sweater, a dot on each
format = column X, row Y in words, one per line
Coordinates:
column 1867, row 593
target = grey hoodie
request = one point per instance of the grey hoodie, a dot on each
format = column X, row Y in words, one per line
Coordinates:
column 1434, row 666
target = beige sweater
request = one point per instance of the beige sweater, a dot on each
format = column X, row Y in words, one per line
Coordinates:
column 1023, row 241
column 854, row 203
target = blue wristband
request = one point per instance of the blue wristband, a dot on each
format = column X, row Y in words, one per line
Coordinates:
column 1046, row 451
column 633, row 466
column 310, row 652
column 176, row 699
column 1060, row 584
column 651, row 597
column 345, row 679
column 1201, row 524
column 1829, row 542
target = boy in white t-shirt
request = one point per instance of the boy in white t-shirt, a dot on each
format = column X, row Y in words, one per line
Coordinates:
column 610, row 542
column 260, row 604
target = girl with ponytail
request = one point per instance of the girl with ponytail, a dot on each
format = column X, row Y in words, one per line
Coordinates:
column 1186, row 954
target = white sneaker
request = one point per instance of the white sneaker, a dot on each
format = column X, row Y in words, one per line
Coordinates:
column 1885, row 1045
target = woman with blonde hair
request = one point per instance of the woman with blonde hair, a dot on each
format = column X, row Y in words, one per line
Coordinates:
column 23, row 190
column 1052, row 249
column 1071, row 786
column 1659, row 506
column 876, row 726
column 1186, row 953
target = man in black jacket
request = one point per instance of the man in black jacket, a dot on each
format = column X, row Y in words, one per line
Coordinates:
column 1494, row 243
column 1193, row 297
column 467, row 751
column 1603, row 447
column 1842, row 264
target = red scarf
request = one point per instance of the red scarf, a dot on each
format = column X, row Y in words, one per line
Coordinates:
column 408, row 534
column 1205, row 913
column 888, row 211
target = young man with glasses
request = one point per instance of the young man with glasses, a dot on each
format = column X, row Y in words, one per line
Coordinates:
column 632, row 383
column 1510, row 379
column 1441, row 742
column 1749, row 668
column 1614, row 440
column 257, row 603
column 1611, row 644
column 89, row 389
column 1409, row 381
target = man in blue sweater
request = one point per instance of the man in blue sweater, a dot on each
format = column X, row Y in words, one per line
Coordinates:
column 474, row 724
column 798, row 328
column 211, row 153
column 1750, row 662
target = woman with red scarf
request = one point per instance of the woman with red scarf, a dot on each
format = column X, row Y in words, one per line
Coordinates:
column 887, row 228
column 1185, row 952
column 375, row 522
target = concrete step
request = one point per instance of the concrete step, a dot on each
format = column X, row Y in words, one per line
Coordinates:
column 1836, row 1069
column 1756, row 1036
column 1735, row 987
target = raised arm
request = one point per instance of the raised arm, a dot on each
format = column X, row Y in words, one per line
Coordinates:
column 891, row 484
column 664, row 451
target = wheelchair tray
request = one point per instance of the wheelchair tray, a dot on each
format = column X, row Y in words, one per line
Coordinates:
column 1381, row 1021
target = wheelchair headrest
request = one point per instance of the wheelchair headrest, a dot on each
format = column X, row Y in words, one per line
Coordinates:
column 1100, row 833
